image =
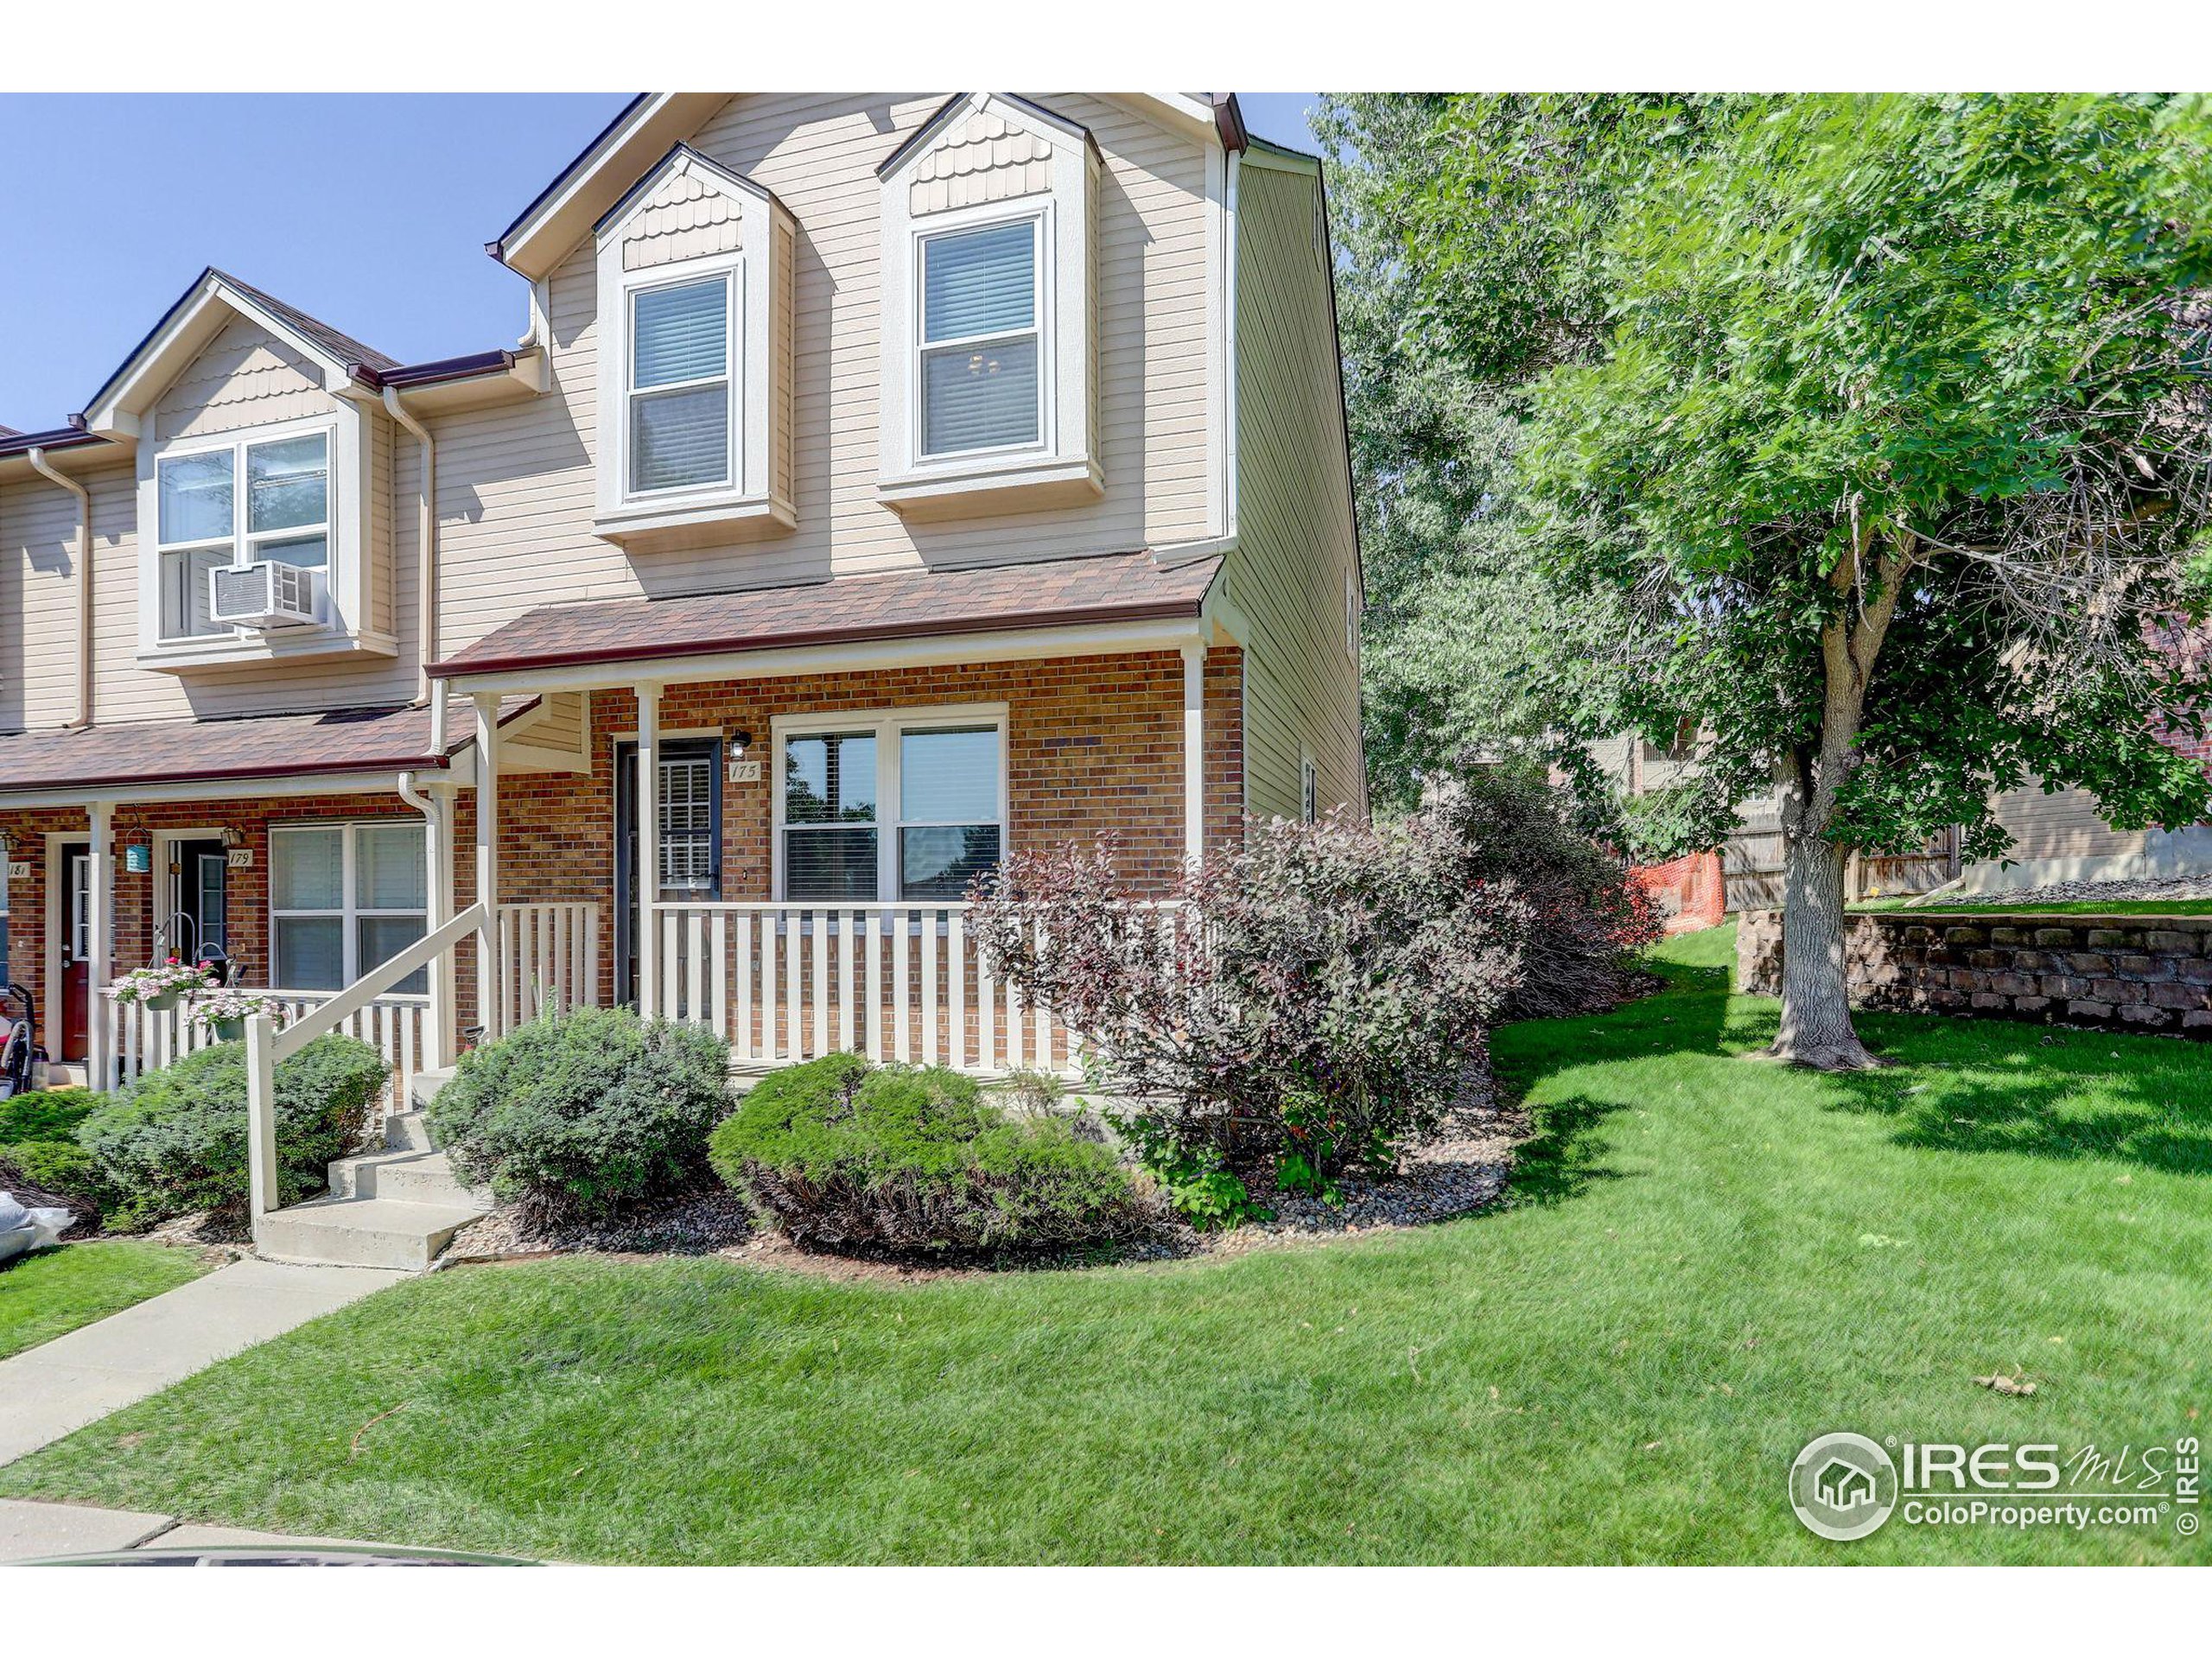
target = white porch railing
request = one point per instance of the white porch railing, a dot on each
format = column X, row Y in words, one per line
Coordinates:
column 548, row 958
column 783, row 982
column 145, row 1040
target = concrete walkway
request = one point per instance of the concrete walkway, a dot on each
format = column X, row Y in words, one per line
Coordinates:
column 59, row 1386
column 34, row 1531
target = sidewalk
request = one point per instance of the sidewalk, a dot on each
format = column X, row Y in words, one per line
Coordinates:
column 30, row 1531
column 59, row 1386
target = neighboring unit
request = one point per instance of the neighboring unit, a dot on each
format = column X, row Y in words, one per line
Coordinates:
column 883, row 483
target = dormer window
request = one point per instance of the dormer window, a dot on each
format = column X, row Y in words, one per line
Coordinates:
column 695, row 278
column 983, row 299
column 681, row 417
column 989, row 333
column 205, row 523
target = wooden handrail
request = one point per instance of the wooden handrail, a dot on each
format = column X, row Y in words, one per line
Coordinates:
column 374, row 983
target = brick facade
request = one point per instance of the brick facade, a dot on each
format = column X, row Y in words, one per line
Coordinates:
column 1093, row 744
column 2132, row 973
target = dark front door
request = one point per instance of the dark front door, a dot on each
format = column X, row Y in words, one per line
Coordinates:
column 198, row 895
column 76, row 952
column 691, row 836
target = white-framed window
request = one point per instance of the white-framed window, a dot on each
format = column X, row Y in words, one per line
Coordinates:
column 1309, row 790
column 981, row 332
column 681, row 410
column 903, row 806
column 344, row 897
column 237, row 502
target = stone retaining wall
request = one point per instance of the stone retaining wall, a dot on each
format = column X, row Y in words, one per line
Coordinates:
column 2133, row 973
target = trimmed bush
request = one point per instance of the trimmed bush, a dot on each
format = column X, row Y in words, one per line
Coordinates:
column 175, row 1141
column 583, row 1113
column 45, row 1115
column 849, row 1157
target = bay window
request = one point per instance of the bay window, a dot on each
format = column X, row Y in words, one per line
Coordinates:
column 204, row 522
column 981, row 339
column 344, row 899
column 907, row 807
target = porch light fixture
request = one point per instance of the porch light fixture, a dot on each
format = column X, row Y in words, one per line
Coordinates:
column 739, row 742
column 232, row 837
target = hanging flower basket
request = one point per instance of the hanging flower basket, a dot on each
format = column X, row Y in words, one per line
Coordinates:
column 160, row 986
column 225, row 1010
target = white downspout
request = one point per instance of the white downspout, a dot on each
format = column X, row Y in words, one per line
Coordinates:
column 436, row 809
column 83, row 559
column 1229, row 336
column 426, row 548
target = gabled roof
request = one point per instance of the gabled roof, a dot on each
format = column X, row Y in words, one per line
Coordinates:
column 198, row 315
column 691, row 161
column 922, row 136
column 560, row 215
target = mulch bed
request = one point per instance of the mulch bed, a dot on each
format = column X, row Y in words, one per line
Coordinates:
column 1462, row 1169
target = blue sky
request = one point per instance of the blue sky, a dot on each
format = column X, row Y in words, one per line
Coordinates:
column 368, row 212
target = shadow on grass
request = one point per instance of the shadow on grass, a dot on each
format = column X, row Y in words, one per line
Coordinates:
column 1965, row 1086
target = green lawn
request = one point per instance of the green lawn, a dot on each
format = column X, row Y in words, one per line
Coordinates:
column 2071, row 907
column 53, row 1291
column 1708, row 1261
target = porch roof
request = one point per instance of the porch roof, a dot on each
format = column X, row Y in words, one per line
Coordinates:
column 147, row 752
column 1110, row 587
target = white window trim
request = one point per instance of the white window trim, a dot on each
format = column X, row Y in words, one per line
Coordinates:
column 730, row 269
column 884, row 724
column 242, row 542
column 350, row 913
column 1309, row 788
column 921, row 462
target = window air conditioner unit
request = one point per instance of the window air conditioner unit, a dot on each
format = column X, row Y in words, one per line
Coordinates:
column 264, row 596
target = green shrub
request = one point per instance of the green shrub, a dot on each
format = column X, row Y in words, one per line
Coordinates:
column 845, row 1156
column 175, row 1141
column 584, row 1112
column 45, row 1115
column 62, row 1167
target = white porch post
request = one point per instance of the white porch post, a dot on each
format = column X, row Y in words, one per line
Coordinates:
column 644, row 874
column 438, row 1040
column 99, row 929
column 1194, row 753
column 489, row 1008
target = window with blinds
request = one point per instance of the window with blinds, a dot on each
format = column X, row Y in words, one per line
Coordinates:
column 680, row 386
column 981, row 342
column 892, row 808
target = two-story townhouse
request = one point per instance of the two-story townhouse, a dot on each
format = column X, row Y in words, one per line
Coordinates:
column 882, row 482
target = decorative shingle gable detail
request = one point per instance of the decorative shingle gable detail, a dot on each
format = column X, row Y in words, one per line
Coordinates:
column 685, row 219
column 981, row 159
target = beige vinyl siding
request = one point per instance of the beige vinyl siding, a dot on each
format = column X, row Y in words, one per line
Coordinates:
column 1295, row 541
column 2063, row 826
column 516, row 485
column 377, row 432
column 38, row 605
column 245, row 377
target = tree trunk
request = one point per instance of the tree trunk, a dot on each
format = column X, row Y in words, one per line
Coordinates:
column 1816, row 1029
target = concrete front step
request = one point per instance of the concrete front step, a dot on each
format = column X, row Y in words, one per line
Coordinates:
column 362, row 1232
column 406, row 1132
column 414, row 1176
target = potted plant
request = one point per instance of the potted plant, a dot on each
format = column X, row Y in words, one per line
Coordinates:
column 160, row 986
column 226, row 1009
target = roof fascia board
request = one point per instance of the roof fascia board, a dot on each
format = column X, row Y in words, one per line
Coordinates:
column 562, row 214
column 215, row 787
column 774, row 663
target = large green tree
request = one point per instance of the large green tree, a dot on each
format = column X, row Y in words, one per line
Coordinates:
column 1882, row 419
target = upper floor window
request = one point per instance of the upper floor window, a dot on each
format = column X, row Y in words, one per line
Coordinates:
column 694, row 276
column 206, row 522
column 682, row 416
column 989, row 214
column 983, row 297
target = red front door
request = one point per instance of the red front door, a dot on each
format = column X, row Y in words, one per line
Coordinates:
column 76, row 952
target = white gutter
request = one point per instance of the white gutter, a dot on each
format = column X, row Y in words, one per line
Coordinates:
column 84, row 557
column 426, row 548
